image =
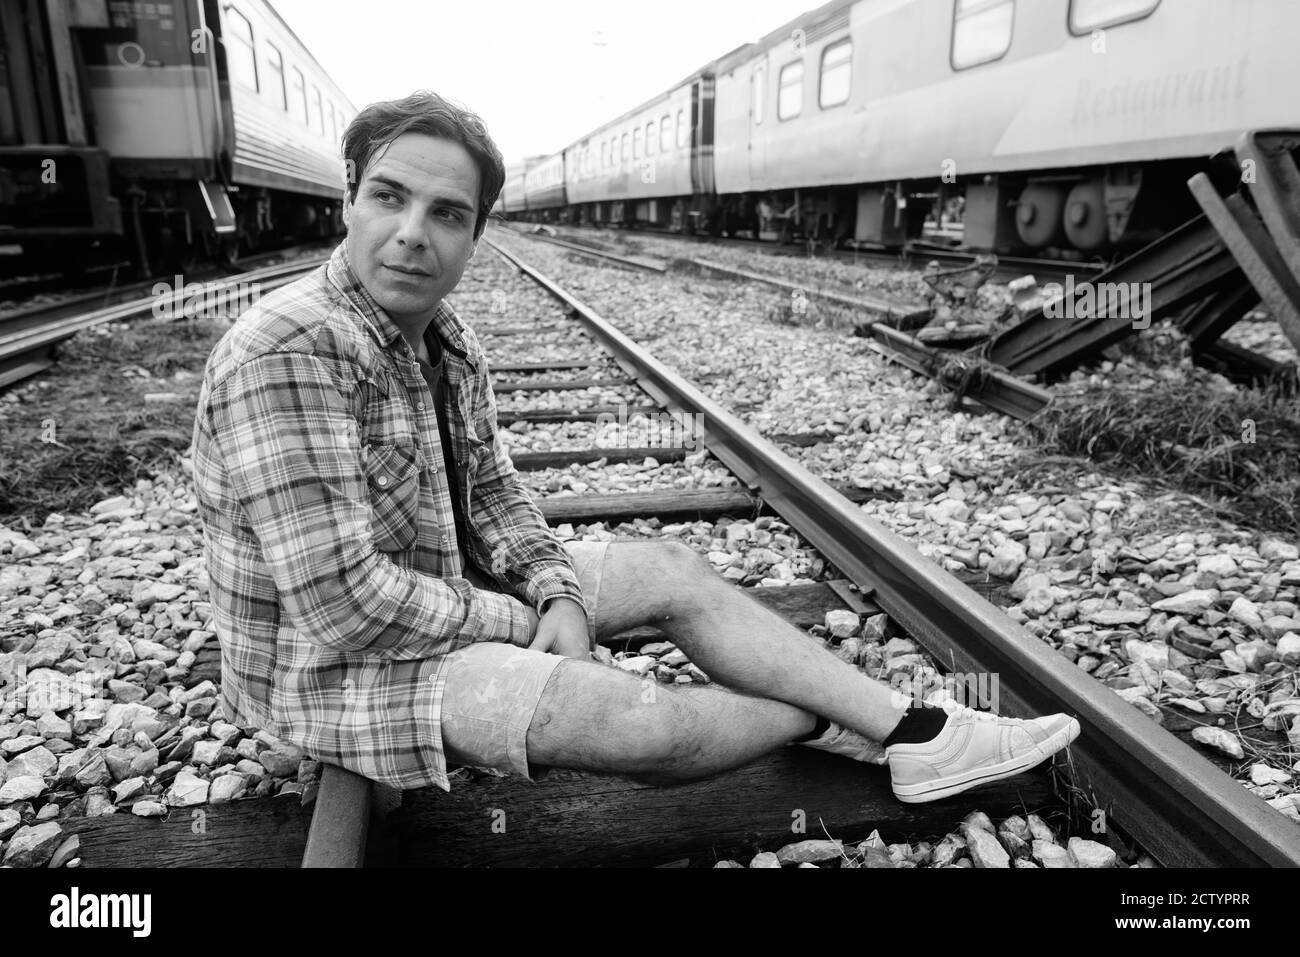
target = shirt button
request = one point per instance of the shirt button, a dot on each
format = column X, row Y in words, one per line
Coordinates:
column 381, row 481
column 420, row 406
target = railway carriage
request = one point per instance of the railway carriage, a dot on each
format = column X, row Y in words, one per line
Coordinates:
column 511, row 201
column 1039, row 124
column 645, row 166
column 544, row 192
column 1065, row 123
column 175, row 129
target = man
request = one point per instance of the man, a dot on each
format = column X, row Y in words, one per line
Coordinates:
column 354, row 492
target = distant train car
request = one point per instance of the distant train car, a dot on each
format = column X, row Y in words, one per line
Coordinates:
column 1066, row 123
column 511, row 202
column 175, row 129
column 641, row 167
column 1053, row 124
column 544, row 185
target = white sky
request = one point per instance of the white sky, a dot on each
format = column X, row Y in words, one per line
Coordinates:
column 541, row 73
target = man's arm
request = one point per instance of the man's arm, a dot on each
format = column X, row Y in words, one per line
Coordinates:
column 517, row 540
column 292, row 450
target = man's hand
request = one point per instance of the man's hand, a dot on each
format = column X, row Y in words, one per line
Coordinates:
column 562, row 630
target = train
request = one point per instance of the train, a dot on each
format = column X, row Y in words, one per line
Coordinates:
column 162, row 132
column 1057, row 127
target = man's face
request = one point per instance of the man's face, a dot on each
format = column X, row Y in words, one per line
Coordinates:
column 411, row 226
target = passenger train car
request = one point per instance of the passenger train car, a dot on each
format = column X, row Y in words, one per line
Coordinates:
column 1066, row 124
column 175, row 130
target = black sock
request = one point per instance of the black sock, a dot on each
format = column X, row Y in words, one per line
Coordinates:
column 822, row 726
column 918, row 726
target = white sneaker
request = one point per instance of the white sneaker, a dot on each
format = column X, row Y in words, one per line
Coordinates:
column 847, row 743
column 975, row 748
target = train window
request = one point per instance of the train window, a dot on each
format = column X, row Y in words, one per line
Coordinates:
column 241, row 58
column 320, row 109
column 636, row 143
column 837, row 74
column 622, row 149
column 299, row 93
column 760, row 88
column 981, row 31
column 275, row 87
column 665, row 134
column 789, row 99
column 1089, row 15
column 649, row 139
column 683, row 131
column 604, row 154
column 334, row 122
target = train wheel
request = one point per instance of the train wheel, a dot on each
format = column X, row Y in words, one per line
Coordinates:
column 1040, row 215
column 1085, row 216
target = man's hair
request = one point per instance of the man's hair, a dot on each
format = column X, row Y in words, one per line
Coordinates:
column 423, row 112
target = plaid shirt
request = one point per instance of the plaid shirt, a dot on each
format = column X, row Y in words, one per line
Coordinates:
column 330, row 543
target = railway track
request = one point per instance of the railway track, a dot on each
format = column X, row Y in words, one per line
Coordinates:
column 915, row 256
column 1161, row 792
column 28, row 337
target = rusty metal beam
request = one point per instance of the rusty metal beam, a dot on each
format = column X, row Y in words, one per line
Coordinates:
column 1183, row 266
column 1253, row 249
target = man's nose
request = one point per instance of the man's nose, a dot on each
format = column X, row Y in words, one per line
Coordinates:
column 413, row 231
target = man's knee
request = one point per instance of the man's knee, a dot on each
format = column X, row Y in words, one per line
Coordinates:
column 677, row 562
column 673, row 742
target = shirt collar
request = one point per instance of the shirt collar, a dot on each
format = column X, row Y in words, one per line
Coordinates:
column 445, row 323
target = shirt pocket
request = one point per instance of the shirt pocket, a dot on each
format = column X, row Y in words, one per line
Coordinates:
column 393, row 481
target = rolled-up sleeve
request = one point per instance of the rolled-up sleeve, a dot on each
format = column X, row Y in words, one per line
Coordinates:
column 519, row 544
column 292, row 451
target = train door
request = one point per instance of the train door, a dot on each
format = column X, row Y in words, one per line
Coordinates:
column 758, row 119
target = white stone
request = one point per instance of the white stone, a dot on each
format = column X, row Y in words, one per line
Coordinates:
column 842, row 623
column 1275, row 550
column 984, row 848
column 1246, row 612
column 1221, row 566
column 227, row 787
column 766, row 859
column 1218, row 738
column 187, row 790
column 810, row 851
column 1091, row 854
column 1052, row 855
column 1007, row 560
column 638, row 664
column 1262, row 774
column 148, row 808
column 1192, row 602
column 21, row 788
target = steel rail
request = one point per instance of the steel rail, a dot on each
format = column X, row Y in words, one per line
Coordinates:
column 39, row 334
column 1181, row 808
column 597, row 253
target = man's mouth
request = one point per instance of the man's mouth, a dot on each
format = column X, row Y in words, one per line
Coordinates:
column 408, row 271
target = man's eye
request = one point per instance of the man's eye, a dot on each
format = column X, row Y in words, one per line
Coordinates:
column 450, row 213
column 384, row 195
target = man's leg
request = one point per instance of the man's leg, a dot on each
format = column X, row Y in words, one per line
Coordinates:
column 733, row 638
column 596, row 718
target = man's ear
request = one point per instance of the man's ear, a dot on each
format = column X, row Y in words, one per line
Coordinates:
column 347, row 210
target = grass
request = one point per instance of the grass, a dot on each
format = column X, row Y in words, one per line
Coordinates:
column 1238, row 448
column 98, row 449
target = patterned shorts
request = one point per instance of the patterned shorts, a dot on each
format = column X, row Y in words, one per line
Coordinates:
column 492, row 689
